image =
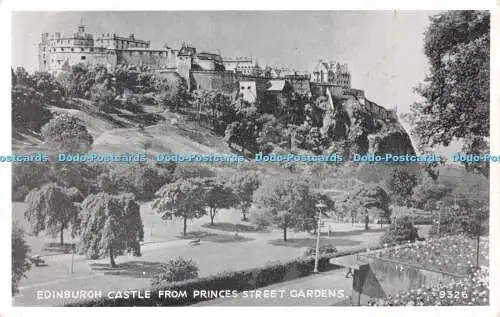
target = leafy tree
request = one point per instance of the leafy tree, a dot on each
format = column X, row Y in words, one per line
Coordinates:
column 20, row 263
column 401, row 186
column 125, row 79
column 271, row 134
column 173, row 92
column 367, row 200
column 176, row 270
column 103, row 90
column 308, row 220
column 287, row 201
column 401, row 229
column 217, row 195
column 184, row 199
column 50, row 209
column 28, row 109
column 143, row 180
column 456, row 91
column 292, row 108
column 65, row 133
column 111, row 224
column 26, row 177
column 216, row 106
column 245, row 130
column 23, row 77
column 52, row 91
column 244, row 185
column 429, row 193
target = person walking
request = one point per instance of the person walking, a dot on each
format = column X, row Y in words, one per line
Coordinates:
column 349, row 273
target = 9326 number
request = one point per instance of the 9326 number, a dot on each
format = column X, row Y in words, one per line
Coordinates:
column 453, row 294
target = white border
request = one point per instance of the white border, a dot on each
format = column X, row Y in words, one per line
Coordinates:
column 65, row 5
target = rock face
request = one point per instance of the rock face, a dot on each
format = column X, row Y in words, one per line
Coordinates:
column 359, row 126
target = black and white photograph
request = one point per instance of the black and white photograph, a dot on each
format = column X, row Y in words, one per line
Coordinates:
column 250, row 158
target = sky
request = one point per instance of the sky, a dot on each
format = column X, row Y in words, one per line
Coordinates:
column 383, row 49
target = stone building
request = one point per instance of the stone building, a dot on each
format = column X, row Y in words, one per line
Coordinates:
column 332, row 73
column 59, row 52
column 241, row 65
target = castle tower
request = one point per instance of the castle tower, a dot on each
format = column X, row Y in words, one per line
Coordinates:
column 81, row 27
column 43, row 51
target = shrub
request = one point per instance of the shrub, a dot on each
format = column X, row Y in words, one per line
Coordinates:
column 401, row 229
column 67, row 134
column 175, row 271
column 323, row 249
column 183, row 171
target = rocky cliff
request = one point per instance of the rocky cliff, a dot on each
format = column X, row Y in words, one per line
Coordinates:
column 357, row 125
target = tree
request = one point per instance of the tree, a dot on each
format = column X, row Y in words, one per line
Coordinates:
column 271, row 134
column 217, row 195
column 456, row 91
column 143, row 180
column 367, row 200
column 244, row 185
column 401, row 186
column 400, row 230
column 20, row 263
column 216, row 106
column 287, row 201
column 245, row 129
column 173, row 91
column 28, row 109
column 184, row 199
column 49, row 208
column 26, row 177
column 65, row 133
column 111, row 224
column 426, row 195
column 52, row 91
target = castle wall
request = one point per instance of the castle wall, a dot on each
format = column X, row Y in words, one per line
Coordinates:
column 205, row 64
column 55, row 61
column 154, row 59
column 214, row 80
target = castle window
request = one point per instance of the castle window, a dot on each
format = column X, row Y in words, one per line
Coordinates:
column 91, row 49
column 72, row 49
column 242, row 88
column 83, row 57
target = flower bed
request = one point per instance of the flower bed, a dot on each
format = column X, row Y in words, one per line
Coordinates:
column 472, row 291
column 453, row 254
